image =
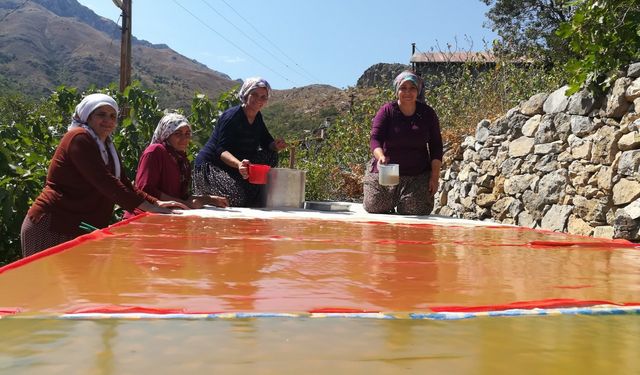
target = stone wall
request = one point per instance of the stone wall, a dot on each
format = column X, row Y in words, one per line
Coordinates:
column 554, row 162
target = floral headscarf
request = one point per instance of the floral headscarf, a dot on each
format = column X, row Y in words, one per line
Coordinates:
column 167, row 125
column 80, row 116
column 407, row 76
column 251, row 84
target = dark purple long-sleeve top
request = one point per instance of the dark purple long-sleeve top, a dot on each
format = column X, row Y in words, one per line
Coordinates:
column 411, row 141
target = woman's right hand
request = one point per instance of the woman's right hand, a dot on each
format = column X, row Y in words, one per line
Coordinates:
column 243, row 168
column 172, row 204
column 162, row 207
column 378, row 153
column 213, row 200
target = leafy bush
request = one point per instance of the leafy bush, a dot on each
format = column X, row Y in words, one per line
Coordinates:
column 29, row 134
column 464, row 99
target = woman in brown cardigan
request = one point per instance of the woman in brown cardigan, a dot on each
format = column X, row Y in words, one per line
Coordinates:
column 84, row 182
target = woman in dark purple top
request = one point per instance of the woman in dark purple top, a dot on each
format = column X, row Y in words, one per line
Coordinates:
column 405, row 132
column 239, row 139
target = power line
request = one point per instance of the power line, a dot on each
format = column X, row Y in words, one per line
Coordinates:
column 249, row 37
column 272, row 43
column 230, row 42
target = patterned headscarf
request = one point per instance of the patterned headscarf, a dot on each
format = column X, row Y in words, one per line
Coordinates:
column 251, row 84
column 83, row 110
column 168, row 124
column 407, row 76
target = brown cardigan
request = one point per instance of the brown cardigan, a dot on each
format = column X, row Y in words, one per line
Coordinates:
column 81, row 188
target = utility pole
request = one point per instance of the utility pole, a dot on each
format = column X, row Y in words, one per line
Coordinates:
column 125, row 43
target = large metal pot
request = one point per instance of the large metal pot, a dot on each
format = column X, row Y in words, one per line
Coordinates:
column 285, row 188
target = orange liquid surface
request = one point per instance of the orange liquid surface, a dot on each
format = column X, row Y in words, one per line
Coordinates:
column 195, row 264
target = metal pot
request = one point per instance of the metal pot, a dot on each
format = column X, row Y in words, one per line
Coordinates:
column 284, row 188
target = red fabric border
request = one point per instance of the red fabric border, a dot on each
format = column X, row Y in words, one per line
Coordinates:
column 95, row 235
column 554, row 303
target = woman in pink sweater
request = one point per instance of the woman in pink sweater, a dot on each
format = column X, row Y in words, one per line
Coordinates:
column 164, row 170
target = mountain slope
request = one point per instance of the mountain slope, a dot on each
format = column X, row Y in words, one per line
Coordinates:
column 41, row 49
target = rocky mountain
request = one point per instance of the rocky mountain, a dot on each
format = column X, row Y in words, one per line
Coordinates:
column 46, row 43
column 381, row 75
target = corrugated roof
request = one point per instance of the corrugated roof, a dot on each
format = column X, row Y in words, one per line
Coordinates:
column 452, row 57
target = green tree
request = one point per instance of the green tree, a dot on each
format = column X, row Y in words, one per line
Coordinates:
column 528, row 27
column 29, row 133
column 605, row 34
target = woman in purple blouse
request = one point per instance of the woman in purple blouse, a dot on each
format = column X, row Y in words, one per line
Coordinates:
column 405, row 132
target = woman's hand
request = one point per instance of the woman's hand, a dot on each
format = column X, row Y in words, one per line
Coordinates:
column 434, row 182
column 379, row 155
column 162, row 207
column 217, row 201
column 172, row 204
column 213, row 200
column 243, row 168
column 279, row 144
column 434, row 179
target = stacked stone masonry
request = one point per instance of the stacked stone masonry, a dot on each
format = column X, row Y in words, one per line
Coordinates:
column 569, row 164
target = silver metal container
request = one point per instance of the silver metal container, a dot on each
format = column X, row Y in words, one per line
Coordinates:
column 284, row 188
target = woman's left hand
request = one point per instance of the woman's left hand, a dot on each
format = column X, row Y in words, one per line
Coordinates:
column 434, row 183
column 279, row 144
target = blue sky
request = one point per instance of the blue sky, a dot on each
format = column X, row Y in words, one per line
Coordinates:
column 294, row 43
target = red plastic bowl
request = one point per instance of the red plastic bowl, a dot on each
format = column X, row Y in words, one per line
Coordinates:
column 258, row 173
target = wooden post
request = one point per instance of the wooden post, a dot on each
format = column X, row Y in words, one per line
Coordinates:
column 125, row 46
column 292, row 156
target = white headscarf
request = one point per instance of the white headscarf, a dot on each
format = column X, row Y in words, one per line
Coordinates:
column 167, row 125
column 251, row 84
column 83, row 110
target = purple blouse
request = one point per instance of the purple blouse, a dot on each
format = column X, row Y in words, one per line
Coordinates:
column 411, row 141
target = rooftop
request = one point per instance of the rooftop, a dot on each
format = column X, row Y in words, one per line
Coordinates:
column 453, row 57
